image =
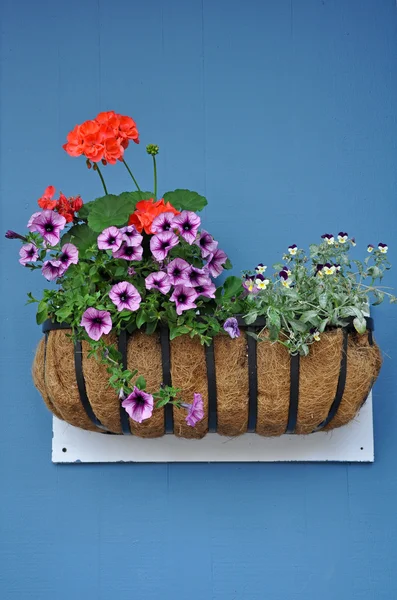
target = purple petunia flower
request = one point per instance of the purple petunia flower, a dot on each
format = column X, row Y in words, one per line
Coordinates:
column 28, row 253
column 215, row 262
column 197, row 277
column 231, row 327
column 110, row 239
column 187, row 224
column 162, row 243
column 178, row 270
column 70, row 255
column 207, row 290
column 128, row 252
column 162, row 222
column 184, row 298
column 131, row 236
column 158, row 281
column 206, row 243
column 48, row 224
column 195, row 410
column 139, row 405
column 32, row 218
column 96, row 322
column 52, row 269
column 125, row 296
column 13, row 235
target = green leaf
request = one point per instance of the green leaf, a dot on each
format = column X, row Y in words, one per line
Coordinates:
column 251, row 317
column 151, row 327
column 360, row 325
column 298, row 326
column 227, row 265
column 162, row 402
column 185, row 200
column 140, row 382
column 81, row 236
column 113, row 210
column 273, row 317
column 42, row 312
column 85, row 210
column 141, row 318
column 322, row 300
column 232, row 287
column 176, row 331
column 308, row 316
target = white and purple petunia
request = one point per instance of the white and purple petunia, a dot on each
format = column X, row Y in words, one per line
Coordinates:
column 158, row 281
column 138, row 405
column 195, row 410
column 207, row 290
column 383, row 248
column 162, row 243
column 111, row 238
column 177, row 271
column 125, row 296
column 128, row 252
column 69, row 255
column 52, row 269
column 184, row 298
column 231, row 327
column 197, row 277
column 216, row 261
column 206, row 243
column 187, row 223
column 48, row 224
column 96, row 322
column 28, row 253
column 163, row 222
column 131, row 236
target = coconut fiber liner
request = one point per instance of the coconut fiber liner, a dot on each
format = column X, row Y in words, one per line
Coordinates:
column 245, row 385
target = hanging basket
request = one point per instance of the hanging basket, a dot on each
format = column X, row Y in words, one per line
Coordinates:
column 246, row 386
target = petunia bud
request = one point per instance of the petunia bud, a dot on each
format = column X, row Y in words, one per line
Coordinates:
column 12, row 235
column 152, row 149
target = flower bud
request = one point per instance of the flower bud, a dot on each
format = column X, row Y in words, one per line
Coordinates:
column 152, row 149
column 87, row 162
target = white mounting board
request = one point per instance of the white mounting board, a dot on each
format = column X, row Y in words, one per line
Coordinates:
column 352, row 443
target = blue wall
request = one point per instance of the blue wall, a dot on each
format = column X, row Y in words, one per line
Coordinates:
column 283, row 113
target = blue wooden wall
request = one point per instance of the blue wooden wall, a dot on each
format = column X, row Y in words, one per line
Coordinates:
column 283, row 113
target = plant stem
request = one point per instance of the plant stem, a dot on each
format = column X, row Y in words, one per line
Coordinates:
column 101, row 176
column 155, row 177
column 133, row 178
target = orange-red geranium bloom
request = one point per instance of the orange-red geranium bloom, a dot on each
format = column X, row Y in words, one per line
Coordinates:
column 46, row 202
column 146, row 211
column 102, row 138
column 68, row 206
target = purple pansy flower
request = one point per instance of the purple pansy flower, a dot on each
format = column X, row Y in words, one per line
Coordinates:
column 159, row 281
column 383, row 248
column 195, row 410
column 207, row 290
column 215, row 262
column 125, row 296
column 161, row 244
column 131, row 236
column 162, row 222
column 329, row 238
column 48, row 224
column 293, row 249
column 52, row 269
column 231, row 327
column 343, row 237
column 110, row 239
column 139, row 405
column 187, row 224
column 206, row 243
column 178, row 270
column 96, row 322
column 128, row 252
column 70, row 255
column 370, row 248
column 283, row 274
column 184, row 298
column 196, row 277
column 249, row 284
column 28, row 253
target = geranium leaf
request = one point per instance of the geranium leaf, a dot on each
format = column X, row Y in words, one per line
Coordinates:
column 185, row 200
column 81, row 236
column 114, row 210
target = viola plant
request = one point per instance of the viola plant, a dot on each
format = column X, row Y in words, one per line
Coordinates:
column 309, row 294
column 126, row 262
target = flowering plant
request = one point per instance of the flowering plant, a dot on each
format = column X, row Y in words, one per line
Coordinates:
column 311, row 293
column 128, row 261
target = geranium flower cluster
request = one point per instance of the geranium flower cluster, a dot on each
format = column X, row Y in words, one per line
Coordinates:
column 66, row 207
column 102, row 139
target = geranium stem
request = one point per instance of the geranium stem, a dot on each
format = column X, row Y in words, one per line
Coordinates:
column 133, row 178
column 155, row 177
column 96, row 168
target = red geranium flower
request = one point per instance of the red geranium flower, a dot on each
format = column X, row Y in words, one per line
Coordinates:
column 146, row 211
column 68, row 206
column 46, row 202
